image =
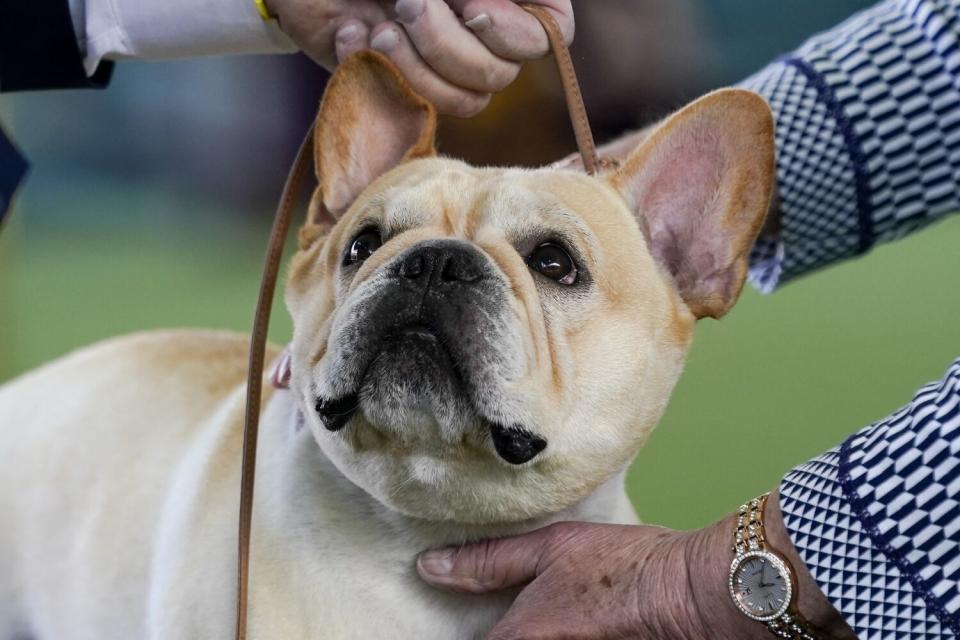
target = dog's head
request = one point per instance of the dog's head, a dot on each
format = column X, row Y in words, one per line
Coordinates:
column 490, row 345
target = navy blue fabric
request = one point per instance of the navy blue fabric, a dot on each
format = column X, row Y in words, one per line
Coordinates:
column 13, row 167
column 39, row 49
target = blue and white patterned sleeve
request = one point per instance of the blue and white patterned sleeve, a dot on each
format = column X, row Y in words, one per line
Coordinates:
column 877, row 520
column 868, row 150
column 867, row 135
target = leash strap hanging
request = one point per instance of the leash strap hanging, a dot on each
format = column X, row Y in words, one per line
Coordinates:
column 271, row 269
column 258, row 345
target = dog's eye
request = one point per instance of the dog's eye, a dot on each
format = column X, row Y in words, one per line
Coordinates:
column 363, row 246
column 554, row 262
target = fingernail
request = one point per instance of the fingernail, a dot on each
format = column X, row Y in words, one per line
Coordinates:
column 409, row 10
column 480, row 23
column 436, row 563
column 348, row 33
column 385, row 40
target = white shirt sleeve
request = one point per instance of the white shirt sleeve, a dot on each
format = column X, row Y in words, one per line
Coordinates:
column 77, row 13
column 155, row 29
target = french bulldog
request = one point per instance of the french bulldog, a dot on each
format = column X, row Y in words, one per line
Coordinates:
column 476, row 352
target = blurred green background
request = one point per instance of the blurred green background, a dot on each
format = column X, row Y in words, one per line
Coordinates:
column 148, row 207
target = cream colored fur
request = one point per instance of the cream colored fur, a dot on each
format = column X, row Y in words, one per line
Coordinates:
column 118, row 495
column 120, row 463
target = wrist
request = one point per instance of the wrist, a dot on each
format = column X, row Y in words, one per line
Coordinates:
column 709, row 555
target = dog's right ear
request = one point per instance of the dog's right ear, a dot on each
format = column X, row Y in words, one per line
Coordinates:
column 370, row 121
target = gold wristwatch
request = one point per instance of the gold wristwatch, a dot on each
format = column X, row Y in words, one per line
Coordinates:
column 762, row 582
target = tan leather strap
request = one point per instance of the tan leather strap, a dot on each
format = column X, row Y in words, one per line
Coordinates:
column 268, row 282
column 258, row 343
column 571, row 88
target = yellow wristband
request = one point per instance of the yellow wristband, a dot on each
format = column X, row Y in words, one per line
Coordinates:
column 264, row 10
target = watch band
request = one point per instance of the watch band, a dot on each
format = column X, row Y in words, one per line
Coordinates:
column 749, row 536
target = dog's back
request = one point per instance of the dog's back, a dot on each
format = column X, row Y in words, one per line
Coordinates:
column 89, row 445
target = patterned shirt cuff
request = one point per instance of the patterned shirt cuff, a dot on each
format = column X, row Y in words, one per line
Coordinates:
column 867, row 135
column 877, row 521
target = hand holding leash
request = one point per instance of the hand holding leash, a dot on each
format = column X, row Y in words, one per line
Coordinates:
column 455, row 53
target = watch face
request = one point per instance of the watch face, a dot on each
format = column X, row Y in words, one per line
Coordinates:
column 760, row 585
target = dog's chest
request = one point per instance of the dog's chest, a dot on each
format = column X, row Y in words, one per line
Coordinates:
column 329, row 562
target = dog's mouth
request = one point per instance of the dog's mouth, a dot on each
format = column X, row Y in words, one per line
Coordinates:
column 514, row 444
column 397, row 356
column 416, row 358
column 335, row 413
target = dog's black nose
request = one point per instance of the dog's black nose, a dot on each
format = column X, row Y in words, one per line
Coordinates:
column 442, row 262
column 516, row 445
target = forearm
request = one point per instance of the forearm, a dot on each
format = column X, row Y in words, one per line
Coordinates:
column 866, row 122
column 869, row 528
column 866, row 145
column 876, row 519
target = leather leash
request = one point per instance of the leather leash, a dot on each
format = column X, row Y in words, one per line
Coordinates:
column 258, row 345
column 271, row 269
column 571, row 88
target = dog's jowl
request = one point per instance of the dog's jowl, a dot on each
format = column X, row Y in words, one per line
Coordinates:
column 476, row 352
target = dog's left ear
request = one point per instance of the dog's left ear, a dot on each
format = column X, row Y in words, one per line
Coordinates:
column 370, row 121
column 700, row 186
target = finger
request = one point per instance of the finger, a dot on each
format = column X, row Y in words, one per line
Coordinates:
column 450, row 49
column 486, row 566
column 316, row 34
column 352, row 36
column 391, row 40
column 512, row 33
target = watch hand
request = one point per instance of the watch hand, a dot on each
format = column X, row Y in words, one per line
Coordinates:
column 763, row 572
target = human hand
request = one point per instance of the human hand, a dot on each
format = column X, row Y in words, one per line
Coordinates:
column 614, row 581
column 591, row 581
column 456, row 53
